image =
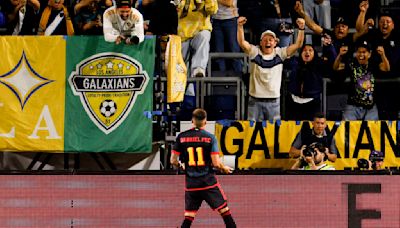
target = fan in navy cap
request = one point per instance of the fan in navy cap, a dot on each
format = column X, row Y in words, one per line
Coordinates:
column 376, row 159
column 376, row 155
column 341, row 20
column 363, row 52
column 364, row 44
column 333, row 39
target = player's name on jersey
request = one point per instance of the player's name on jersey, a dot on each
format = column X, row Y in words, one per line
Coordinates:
column 195, row 139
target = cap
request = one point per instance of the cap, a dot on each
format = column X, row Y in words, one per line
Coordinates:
column 342, row 20
column 123, row 3
column 364, row 44
column 268, row 32
column 376, row 155
column 385, row 14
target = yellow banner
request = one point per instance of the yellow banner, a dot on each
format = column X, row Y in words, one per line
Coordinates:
column 32, row 91
column 266, row 144
column 176, row 70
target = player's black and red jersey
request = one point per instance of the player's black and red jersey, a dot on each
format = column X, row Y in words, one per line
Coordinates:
column 194, row 148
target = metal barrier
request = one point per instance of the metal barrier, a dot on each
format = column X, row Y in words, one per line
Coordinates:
column 387, row 81
column 325, row 98
column 228, row 55
column 203, row 89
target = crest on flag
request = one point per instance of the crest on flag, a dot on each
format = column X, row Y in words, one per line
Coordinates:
column 108, row 85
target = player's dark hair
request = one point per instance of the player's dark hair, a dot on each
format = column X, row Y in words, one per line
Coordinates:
column 199, row 114
column 319, row 115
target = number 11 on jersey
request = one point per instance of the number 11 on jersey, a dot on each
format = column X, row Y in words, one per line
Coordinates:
column 200, row 157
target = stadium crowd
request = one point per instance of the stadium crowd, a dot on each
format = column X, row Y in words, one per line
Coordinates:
column 357, row 52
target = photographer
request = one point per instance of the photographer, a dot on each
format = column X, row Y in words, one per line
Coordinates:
column 122, row 23
column 318, row 134
column 312, row 158
column 375, row 161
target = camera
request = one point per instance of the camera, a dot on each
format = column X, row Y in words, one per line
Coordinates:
column 286, row 28
column 133, row 39
column 363, row 163
column 309, row 150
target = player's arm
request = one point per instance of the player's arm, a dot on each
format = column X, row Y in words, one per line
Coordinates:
column 174, row 158
column 216, row 161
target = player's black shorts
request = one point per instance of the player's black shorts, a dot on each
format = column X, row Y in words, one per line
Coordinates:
column 215, row 197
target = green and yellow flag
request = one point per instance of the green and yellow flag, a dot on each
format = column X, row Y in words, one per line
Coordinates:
column 77, row 94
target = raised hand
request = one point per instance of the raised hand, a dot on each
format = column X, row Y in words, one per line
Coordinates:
column 343, row 50
column 299, row 8
column 380, row 50
column 301, row 23
column 241, row 21
column 364, row 6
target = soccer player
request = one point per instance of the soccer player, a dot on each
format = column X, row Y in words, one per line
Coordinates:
column 198, row 150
